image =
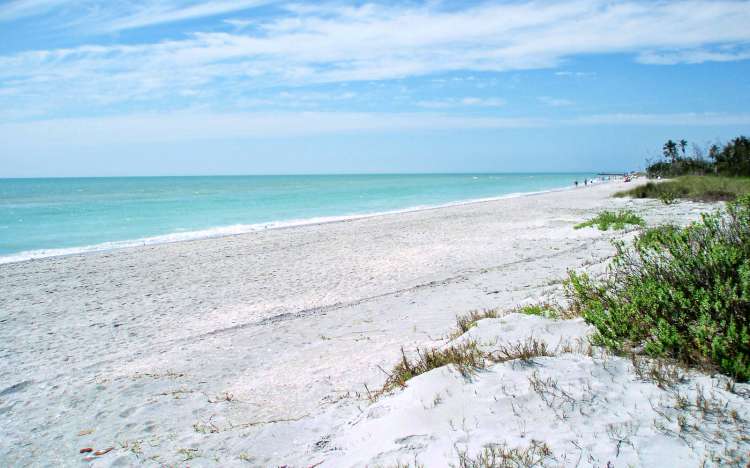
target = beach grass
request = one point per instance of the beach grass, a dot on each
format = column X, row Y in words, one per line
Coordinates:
column 467, row 321
column 466, row 357
column 502, row 456
column 696, row 188
column 616, row 220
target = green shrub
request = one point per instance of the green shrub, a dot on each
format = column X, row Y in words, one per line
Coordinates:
column 615, row 220
column 668, row 197
column 687, row 166
column 656, row 236
column 678, row 292
column 542, row 310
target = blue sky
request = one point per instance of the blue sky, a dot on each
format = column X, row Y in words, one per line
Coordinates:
column 153, row 87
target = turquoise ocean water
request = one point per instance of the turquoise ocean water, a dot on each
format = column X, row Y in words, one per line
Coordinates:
column 47, row 217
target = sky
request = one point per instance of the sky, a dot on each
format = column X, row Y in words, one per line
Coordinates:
column 184, row 87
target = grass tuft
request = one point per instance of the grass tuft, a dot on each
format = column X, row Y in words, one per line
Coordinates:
column 524, row 351
column 466, row 357
column 467, row 321
column 665, row 373
column 501, row 456
column 611, row 219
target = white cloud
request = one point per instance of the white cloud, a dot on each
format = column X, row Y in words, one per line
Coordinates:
column 575, row 74
column 13, row 10
column 95, row 15
column 332, row 43
column 555, row 102
column 186, row 126
column 463, row 102
column 483, row 102
column 317, row 96
column 239, row 23
column 159, row 12
column 692, row 56
column 674, row 119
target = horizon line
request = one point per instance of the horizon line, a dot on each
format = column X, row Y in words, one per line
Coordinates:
column 330, row 174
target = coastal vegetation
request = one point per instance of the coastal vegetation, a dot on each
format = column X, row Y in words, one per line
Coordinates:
column 696, row 188
column 722, row 176
column 616, row 220
column 730, row 160
column 542, row 310
column 465, row 322
column 466, row 357
column 675, row 300
column 502, row 456
column 681, row 293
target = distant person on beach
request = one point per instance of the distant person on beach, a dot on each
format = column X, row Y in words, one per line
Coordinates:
column 576, row 182
column 585, row 181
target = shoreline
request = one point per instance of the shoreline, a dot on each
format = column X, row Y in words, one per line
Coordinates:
column 242, row 229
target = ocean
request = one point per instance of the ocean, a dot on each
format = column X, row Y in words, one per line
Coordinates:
column 50, row 217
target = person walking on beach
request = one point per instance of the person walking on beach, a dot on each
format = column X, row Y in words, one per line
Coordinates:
column 576, row 183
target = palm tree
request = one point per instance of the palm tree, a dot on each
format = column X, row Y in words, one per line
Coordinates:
column 670, row 150
column 683, row 145
column 714, row 151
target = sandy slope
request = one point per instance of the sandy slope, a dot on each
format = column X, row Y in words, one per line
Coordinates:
column 248, row 349
column 587, row 409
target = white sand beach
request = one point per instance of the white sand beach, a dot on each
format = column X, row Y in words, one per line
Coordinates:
column 254, row 350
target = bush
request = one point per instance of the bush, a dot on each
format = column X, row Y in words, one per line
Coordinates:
column 668, row 197
column 615, row 220
column 688, row 166
column 678, row 292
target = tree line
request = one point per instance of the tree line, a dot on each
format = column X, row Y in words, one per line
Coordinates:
column 730, row 159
